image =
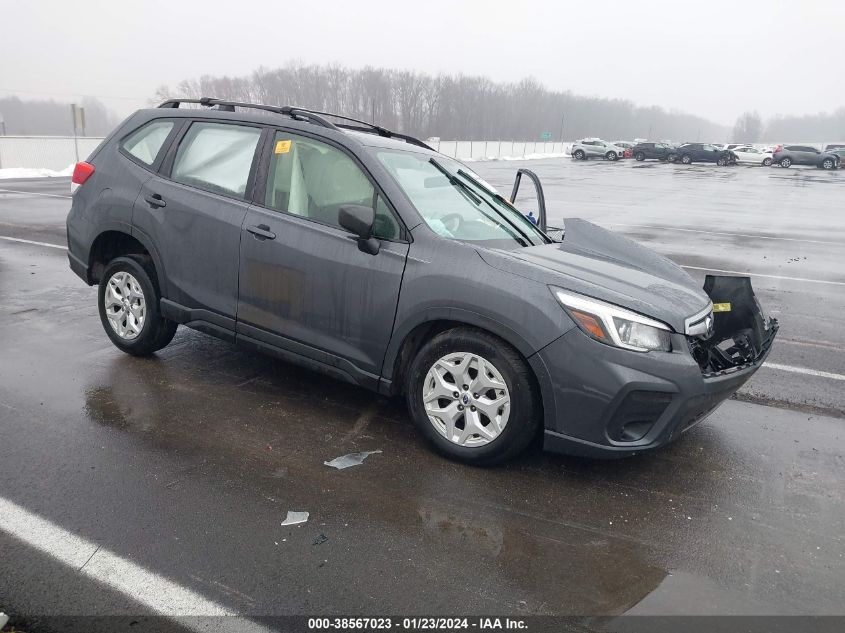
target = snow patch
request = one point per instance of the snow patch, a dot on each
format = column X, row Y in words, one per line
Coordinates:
column 526, row 157
column 35, row 172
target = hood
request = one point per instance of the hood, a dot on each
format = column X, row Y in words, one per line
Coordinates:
column 604, row 265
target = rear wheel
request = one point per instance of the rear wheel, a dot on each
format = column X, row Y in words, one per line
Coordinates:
column 473, row 396
column 828, row 163
column 686, row 159
column 722, row 162
column 612, row 156
column 767, row 162
column 639, row 156
column 128, row 302
column 579, row 154
column 785, row 162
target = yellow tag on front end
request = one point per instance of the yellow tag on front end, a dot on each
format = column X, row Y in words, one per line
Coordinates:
column 721, row 307
column 282, row 147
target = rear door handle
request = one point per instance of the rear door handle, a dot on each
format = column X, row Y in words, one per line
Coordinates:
column 261, row 232
column 155, row 201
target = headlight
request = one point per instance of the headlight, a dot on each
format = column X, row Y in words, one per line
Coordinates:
column 613, row 325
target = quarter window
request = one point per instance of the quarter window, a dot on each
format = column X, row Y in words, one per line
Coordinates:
column 312, row 180
column 145, row 143
column 216, row 157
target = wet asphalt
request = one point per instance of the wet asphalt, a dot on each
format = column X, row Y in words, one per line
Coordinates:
column 186, row 463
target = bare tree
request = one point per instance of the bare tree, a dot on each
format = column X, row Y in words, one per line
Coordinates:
column 748, row 128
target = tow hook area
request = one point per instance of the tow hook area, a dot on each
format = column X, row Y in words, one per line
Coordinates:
column 741, row 335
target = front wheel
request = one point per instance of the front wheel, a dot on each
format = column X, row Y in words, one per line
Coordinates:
column 473, row 396
column 722, row 162
column 767, row 162
column 686, row 159
column 129, row 308
column 827, row 163
column 579, row 155
column 611, row 156
column 639, row 156
column 785, row 162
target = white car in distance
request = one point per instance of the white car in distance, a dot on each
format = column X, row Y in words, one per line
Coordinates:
column 750, row 154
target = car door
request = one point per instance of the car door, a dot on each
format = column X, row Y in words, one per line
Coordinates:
column 193, row 211
column 710, row 153
column 305, row 285
column 804, row 155
column 749, row 154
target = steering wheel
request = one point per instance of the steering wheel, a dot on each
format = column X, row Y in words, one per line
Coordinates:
column 452, row 222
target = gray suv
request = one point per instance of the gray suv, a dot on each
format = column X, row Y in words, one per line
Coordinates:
column 364, row 254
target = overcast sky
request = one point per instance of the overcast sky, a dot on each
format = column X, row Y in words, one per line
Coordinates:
column 714, row 58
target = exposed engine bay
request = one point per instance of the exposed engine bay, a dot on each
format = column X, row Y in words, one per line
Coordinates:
column 740, row 333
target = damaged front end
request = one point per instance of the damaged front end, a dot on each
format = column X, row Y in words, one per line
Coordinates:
column 735, row 335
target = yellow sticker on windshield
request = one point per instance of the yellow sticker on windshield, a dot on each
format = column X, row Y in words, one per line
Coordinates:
column 721, row 307
column 282, row 147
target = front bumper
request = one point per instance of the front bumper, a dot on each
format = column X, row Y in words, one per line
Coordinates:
column 610, row 402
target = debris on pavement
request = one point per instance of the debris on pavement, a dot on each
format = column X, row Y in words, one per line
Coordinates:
column 321, row 538
column 352, row 459
column 294, row 518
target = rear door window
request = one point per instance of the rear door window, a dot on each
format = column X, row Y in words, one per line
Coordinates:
column 217, row 157
column 145, row 143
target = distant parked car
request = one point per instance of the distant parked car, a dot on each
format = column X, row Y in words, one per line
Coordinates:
column 703, row 153
column 839, row 151
column 596, row 148
column 625, row 144
column 659, row 151
column 788, row 155
column 834, row 146
column 749, row 154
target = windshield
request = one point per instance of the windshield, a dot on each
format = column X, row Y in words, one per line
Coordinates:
column 458, row 204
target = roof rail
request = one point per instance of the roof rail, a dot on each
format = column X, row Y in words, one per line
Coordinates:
column 299, row 114
column 229, row 106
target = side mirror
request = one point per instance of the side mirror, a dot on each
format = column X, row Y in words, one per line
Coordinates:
column 358, row 220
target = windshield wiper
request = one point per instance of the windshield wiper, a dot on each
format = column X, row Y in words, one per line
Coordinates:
column 456, row 183
column 475, row 182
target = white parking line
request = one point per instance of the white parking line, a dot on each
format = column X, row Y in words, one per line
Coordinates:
column 22, row 241
column 35, row 193
column 751, row 235
column 163, row 596
column 748, row 274
column 805, row 371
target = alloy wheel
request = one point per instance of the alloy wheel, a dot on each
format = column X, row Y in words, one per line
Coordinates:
column 466, row 399
column 126, row 307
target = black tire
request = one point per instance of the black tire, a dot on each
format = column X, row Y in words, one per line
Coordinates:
column 639, row 156
column 579, row 154
column 767, row 162
column 671, row 158
column 828, row 163
column 785, row 162
column 686, row 159
column 525, row 413
column 611, row 156
column 156, row 331
column 722, row 162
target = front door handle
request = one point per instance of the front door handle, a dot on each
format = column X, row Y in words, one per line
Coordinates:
column 261, row 232
column 155, row 201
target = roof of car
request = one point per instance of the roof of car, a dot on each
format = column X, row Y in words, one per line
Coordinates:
column 271, row 118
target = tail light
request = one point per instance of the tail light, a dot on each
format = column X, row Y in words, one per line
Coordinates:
column 81, row 172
